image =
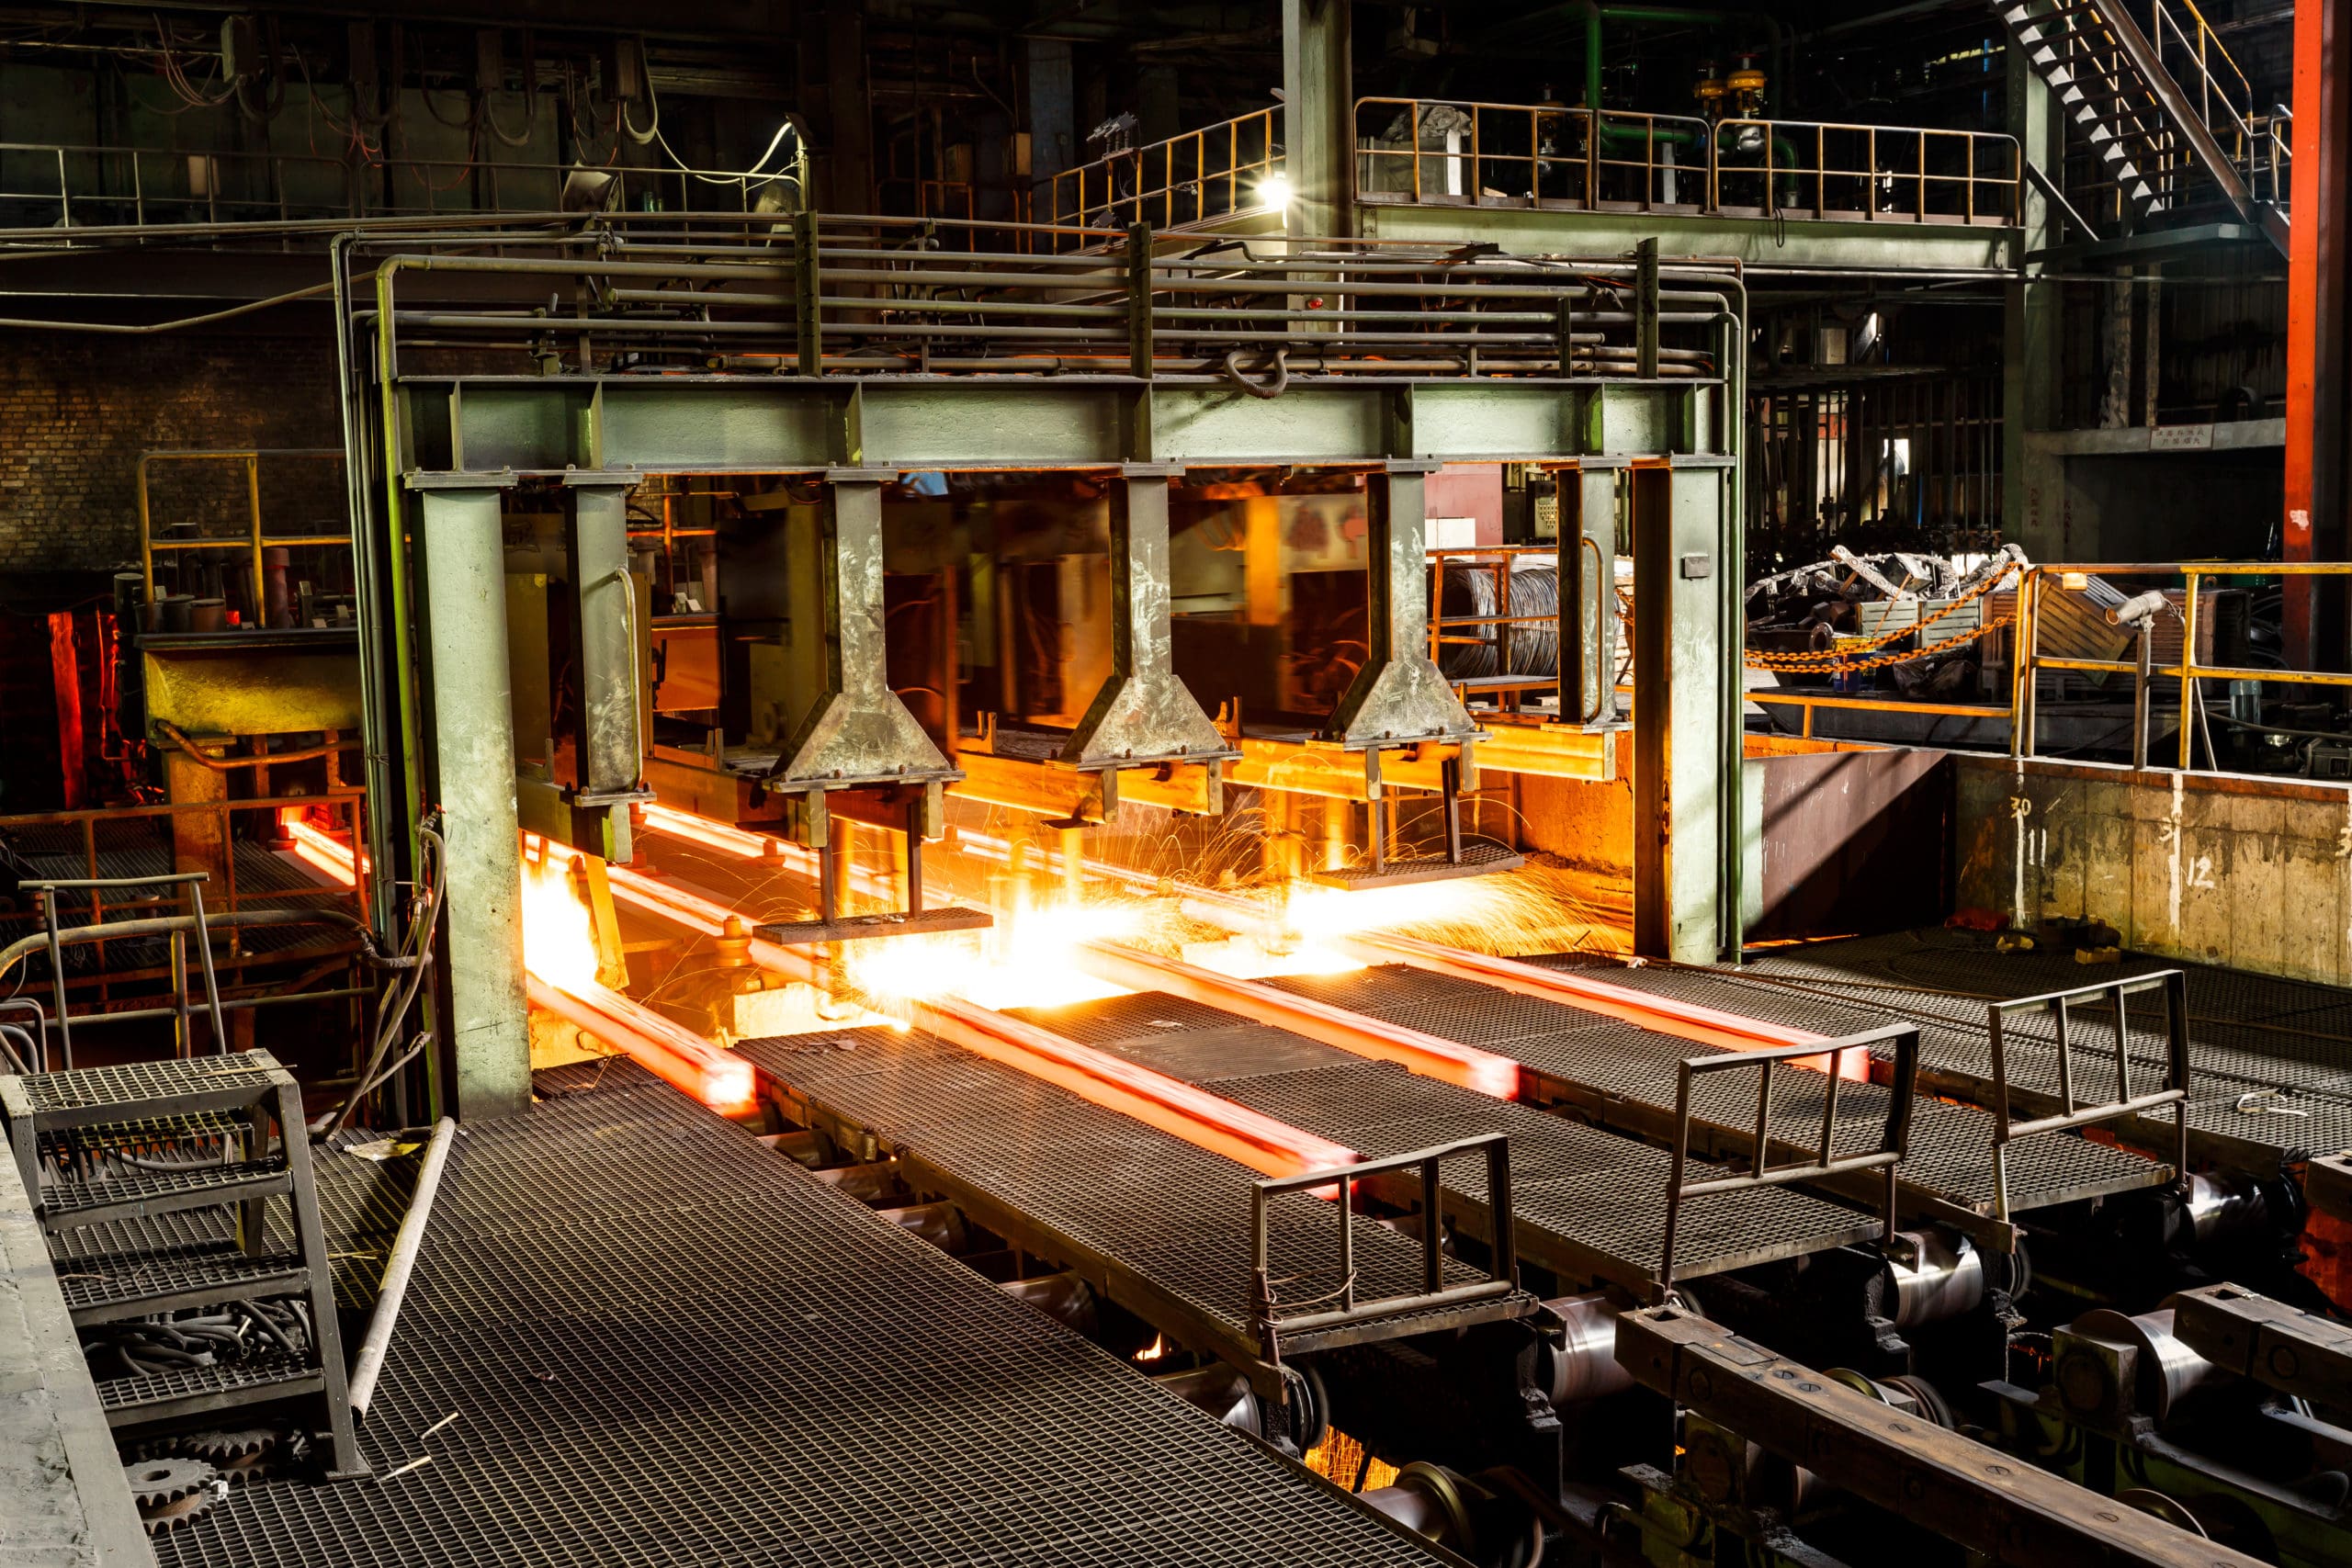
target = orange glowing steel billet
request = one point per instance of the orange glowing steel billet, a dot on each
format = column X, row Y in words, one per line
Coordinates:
column 680, row 1057
column 733, row 840
column 1245, row 1136
column 1664, row 1015
column 316, row 849
column 1427, row 1054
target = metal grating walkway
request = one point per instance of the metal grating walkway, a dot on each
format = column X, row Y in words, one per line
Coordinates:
column 1167, row 1221
column 664, row 1345
column 2287, row 1042
column 1590, row 1203
column 1625, row 1075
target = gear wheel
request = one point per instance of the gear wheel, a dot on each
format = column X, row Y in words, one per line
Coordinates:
column 240, row 1456
column 169, row 1491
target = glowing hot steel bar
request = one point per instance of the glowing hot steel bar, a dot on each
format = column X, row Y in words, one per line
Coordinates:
column 1264, row 1145
column 680, row 1057
column 1424, row 1053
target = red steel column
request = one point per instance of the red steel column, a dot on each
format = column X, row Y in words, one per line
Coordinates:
column 2316, row 328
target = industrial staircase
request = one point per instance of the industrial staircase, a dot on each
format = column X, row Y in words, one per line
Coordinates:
column 2158, row 99
column 155, row 1184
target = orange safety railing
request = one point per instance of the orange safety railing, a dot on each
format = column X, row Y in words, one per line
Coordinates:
column 67, row 186
column 2033, row 607
column 1214, row 172
column 253, row 540
column 1426, row 153
column 1420, row 152
column 1811, row 169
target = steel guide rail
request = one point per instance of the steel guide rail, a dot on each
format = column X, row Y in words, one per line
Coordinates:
column 1994, row 1504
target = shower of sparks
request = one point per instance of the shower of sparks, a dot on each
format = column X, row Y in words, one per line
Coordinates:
column 1026, row 960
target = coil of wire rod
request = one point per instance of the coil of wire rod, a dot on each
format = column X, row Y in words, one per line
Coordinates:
column 1468, row 590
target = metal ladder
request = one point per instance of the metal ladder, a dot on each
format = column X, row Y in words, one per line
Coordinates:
column 2150, row 101
column 105, row 1152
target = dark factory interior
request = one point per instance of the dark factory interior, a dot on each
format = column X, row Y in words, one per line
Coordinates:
column 1237, row 783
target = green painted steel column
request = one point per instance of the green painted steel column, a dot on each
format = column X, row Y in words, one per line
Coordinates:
column 1588, row 600
column 1678, row 709
column 1143, row 713
column 472, row 745
column 1318, row 116
column 2033, row 322
column 1399, row 695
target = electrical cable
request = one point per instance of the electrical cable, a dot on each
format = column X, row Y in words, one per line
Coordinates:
column 416, row 949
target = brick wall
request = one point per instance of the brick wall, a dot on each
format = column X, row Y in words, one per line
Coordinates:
column 76, row 412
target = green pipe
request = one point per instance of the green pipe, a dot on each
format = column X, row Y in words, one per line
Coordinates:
column 1595, row 13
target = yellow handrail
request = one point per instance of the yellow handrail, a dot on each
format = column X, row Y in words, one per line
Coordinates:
column 255, row 542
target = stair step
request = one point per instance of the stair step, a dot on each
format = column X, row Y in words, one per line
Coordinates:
column 131, row 1402
column 77, row 1203
column 102, row 1288
column 88, row 1095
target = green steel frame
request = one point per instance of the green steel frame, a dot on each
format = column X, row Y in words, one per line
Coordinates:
column 432, row 451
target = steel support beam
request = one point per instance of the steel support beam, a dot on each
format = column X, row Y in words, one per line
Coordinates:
column 1143, row 714
column 2034, row 327
column 2319, row 336
column 606, row 640
column 488, row 1030
column 1679, row 703
column 1318, row 111
column 1589, row 603
column 1765, row 244
column 550, row 428
column 856, row 730
column 1398, row 696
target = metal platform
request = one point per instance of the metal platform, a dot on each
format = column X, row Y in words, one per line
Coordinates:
column 1624, row 1076
column 1590, row 1204
column 664, row 1345
column 2281, row 1049
column 1161, row 1226
column 1479, row 856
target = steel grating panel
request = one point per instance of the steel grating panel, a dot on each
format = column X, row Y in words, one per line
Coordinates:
column 137, row 1083
column 2250, row 1034
column 1951, row 1156
column 230, row 1378
column 754, row 1371
column 1177, row 1215
column 1600, row 1194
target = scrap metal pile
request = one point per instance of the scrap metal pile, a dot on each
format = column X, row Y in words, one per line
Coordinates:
column 1924, row 620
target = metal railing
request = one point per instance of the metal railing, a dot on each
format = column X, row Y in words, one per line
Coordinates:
column 1502, row 1272
column 2273, row 177
column 236, row 911
column 253, row 540
column 2073, row 1114
column 70, row 186
column 1810, row 169
column 2193, row 55
column 1420, row 152
column 2033, row 609
column 867, row 295
column 1426, row 153
column 1214, row 172
column 1827, row 1163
